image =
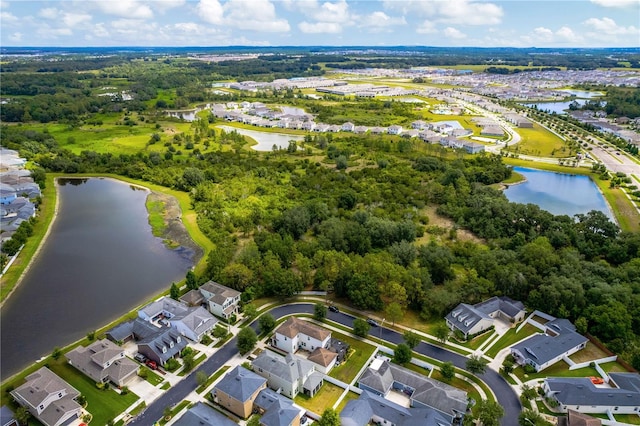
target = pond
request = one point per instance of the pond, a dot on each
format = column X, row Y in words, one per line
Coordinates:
column 558, row 193
column 266, row 140
column 583, row 93
column 99, row 261
column 557, row 107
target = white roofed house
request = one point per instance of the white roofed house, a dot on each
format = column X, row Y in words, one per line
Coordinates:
column 48, row 398
column 222, row 301
column 290, row 375
column 348, row 127
column 394, row 130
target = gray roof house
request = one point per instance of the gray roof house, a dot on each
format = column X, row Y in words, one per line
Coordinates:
column 48, row 398
column 581, row 395
column 545, row 349
column 6, row 417
column 222, row 301
column 474, row 319
column 291, row 374
column 138, row 329
column 192, row 298
column 190, row 321
column 238, row 390
column 103, row 361
column 276, row 409
column 203, row 415
column 162, row 346
column 372, row 408
column 382, row 376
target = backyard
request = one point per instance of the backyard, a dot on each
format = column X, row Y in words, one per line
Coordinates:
column 360, row 353
column 511, row 337
column 325, row 398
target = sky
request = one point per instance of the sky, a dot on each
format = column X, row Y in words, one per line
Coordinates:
column 511, row 23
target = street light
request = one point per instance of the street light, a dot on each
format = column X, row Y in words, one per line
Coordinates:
column 381, row 324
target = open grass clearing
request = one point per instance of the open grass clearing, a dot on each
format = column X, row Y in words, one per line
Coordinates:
column 325, row 398
column 613, row 367
column 559, row 369
column 359, row 355
column 590, row 353
column 511, row 337
column 632, row 419
column 540, row 142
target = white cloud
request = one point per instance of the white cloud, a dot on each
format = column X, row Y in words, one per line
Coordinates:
column 6, row 17
column 74, row 19
column 332, row 12
column 377, row 21
column 543, row 34
column 562, row 36
column 453, row 33
column 609, row 27
column 17, row 36
column 129, row 9
column 60, row 32
column 164, row 5
column 567, row 34
column 427, row 27
column 615, row 3
column 49, row 13
column 260, row 16
column 460, row 12
column 210, row 11
column 100, row 31
column 320, row 27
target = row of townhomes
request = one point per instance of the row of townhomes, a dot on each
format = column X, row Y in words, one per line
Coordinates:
column 18, row 192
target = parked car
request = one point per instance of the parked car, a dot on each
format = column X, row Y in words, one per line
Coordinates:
column 334, row 308
column 151, row 364
column 372, row 322
column 140, row 358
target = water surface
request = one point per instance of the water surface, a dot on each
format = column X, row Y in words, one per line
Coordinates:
column 558, row 193
column 99, row 261
column 266, row 140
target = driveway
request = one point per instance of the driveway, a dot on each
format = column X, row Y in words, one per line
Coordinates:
column 505, row 395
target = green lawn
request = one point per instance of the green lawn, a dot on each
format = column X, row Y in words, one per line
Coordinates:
column 104, row 405
column 360, row 353
column 559, row 369
column 632, row 419
column 509, row 338
column 325, row 398
column 348, row 397
column 540, row 142
column 213, row 378
column 152, row 377
column 476, row 342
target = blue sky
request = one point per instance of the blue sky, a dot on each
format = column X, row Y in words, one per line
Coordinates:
column 513, row 23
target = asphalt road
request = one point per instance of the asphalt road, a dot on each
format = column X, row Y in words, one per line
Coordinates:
column 505, row 395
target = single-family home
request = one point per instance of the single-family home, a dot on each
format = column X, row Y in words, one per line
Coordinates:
column 348, row 127
column 474, row 319
column 370, row 408
column 360, row 129
column 163, row 345
column 324, row 359
column 492, row 130
column 103, row 361
column 309, row 126
column 290, row 375
column 377, row 130
column 419, row 125
column 276, row 410
column 394, row 130
column 581, row 395
column 162, row 310
column 48, row 398
column 222, row 301
column 473, row 147
column 381, row 377
column 6, row 417
column 573, row 418
column 238, row 390
column 192, row 298
column 294, row 334
column 203, row 415
column 542, row 350
column 191, row 322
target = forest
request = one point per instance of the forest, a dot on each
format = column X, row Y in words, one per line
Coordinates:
column 286, row 220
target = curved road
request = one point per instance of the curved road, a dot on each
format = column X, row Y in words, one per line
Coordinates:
column 505, row 395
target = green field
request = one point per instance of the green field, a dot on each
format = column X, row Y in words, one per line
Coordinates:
column 539, row 142
column 511, row 337
column 325, row 398
column 361, row 352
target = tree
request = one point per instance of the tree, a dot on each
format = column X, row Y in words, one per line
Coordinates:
column 266, row 323
column 319, row 311
column 91, row 336
column 394, row 312
column 250, row 310
column 22, row 415
column 329, row 418
column 57, row 352
column 476, row 365
column 341, row 162
column 201, row 377
column 530, row 417
column 174, row 292
column 247, row 340
column 360, row 327
column 489, row 412
column 442, row 333
column 188, row 362
column 411, row 339
column 507, row 366
column 448, row 371
column 192, row 283
column 402, row 354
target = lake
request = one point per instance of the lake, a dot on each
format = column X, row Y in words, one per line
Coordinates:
column 557, row 107
column 266, row 140
column 99, row 262
column 558, row 193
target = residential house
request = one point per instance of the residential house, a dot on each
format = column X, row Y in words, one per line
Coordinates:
column 238, row 390
column 493, row 130
column 162, row 346
column 348, row 127
column 394, row 130
column 581, row 395
column 276, row 409
column 545, row 349
column 324, row 359
column 203, row 415
column 192, row 298
column 381, row 377
column 340, row 348
column 334, row 128
column 191, row 322
column 48, row 398
column 6, row 417
column 370, row 408
column 518, row 120
column 377, row 130
column 573, row 418
column 360, row 129
column 222, row 301
column 473, row 319
column 290, row 375
column 294, row 334
column 7, row 194
column 309, row 126
column 103, row 361
column 419, row 125
column 472, row 147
